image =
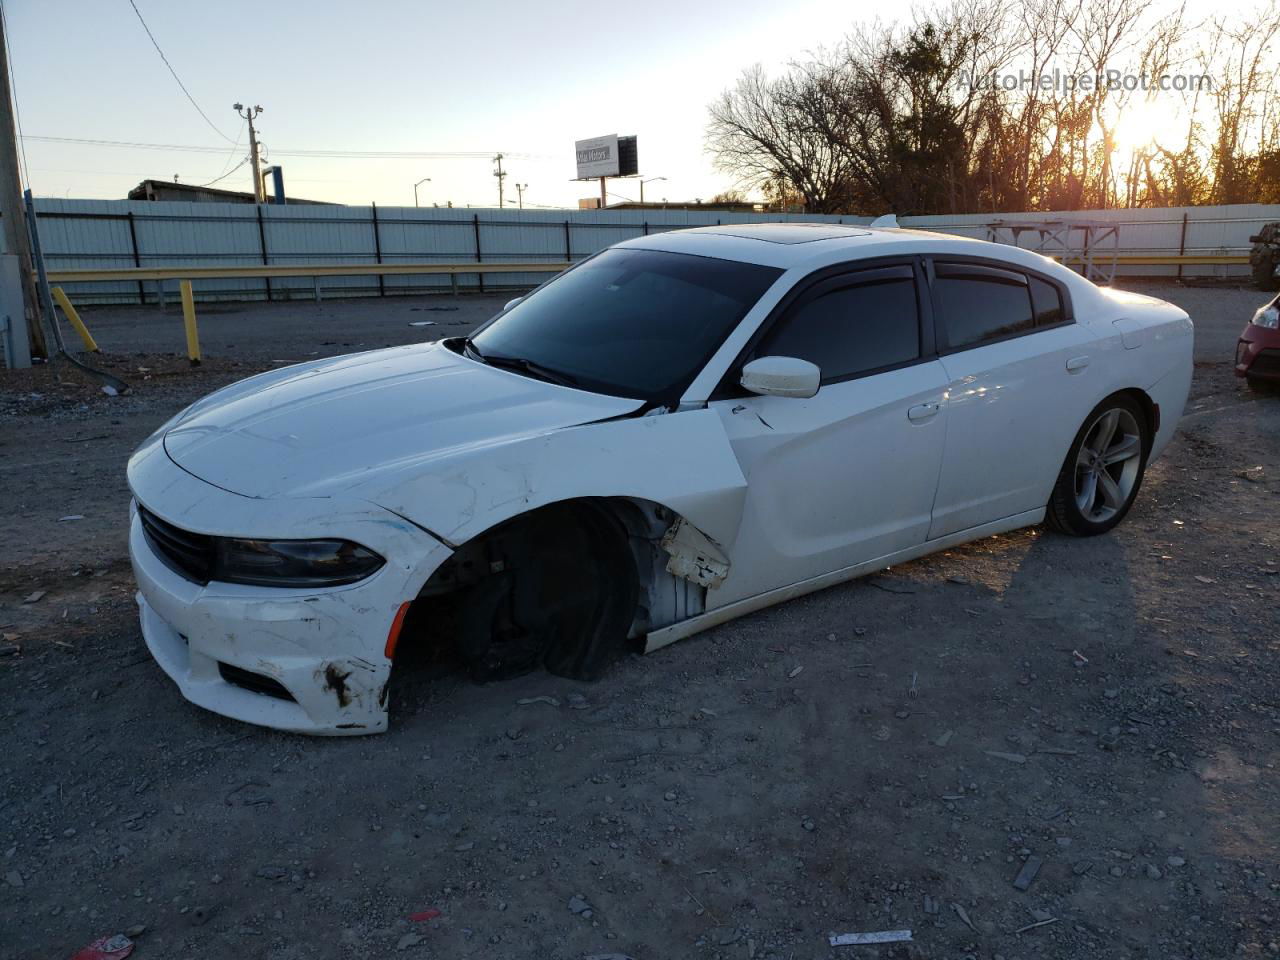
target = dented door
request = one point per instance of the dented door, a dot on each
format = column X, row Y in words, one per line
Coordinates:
column 843, row 477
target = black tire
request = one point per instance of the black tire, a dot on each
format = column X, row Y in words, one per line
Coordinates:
column 1259, row 385
column 1262, row 264
column 1064, row 512
column 564, row 600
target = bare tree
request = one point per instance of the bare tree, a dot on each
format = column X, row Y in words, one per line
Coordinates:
column 920, row 117
column 762, row 131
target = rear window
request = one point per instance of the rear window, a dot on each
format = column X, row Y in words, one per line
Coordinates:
column 633, row 323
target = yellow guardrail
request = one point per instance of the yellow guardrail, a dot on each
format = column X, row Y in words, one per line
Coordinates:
column 79, row 275
column 74, row 318
column 86, row 275
column 189, row 321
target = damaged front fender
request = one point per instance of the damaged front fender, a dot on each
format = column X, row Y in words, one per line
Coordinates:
column 680, row 460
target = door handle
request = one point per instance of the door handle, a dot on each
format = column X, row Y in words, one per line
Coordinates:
column 923, row 411
column 1076, row 364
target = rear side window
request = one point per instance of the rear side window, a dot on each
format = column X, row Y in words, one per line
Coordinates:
column 1046, row 301
column 977, row 303
column 855, row 326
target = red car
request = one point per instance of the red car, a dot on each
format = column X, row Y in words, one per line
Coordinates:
column 1258, row 352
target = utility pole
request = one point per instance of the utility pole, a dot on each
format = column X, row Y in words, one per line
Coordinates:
column 501, row 175
column 250, row 114
column 520, row 189
column 14, row 224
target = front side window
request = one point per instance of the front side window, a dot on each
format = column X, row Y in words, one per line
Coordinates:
column 852, row 327
column 632, row 323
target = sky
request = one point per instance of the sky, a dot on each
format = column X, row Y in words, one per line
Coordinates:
column 523, row 78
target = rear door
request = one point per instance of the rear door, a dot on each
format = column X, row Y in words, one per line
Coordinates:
column 1015, row 363
column 849, row 474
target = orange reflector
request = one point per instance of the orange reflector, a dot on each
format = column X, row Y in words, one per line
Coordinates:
column 394, row 636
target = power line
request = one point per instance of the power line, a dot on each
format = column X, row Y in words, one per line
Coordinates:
column 333, row 154
column 175, row 73
column 225, row 175
column 235, row 147
column 13, row 90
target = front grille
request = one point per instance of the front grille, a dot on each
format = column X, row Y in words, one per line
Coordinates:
column 1266, row 363
column 186, row 553
column 253, row 681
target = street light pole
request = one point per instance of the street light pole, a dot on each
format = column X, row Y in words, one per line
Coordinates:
column 520, row 189
column 643, row 182
column 415, row 189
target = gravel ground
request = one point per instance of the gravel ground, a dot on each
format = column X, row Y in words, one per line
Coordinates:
column 1104, row 709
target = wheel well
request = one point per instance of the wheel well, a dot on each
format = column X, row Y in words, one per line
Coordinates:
column 431, row 624
column 1150, row 410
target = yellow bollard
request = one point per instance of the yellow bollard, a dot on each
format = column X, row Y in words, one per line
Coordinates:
column 74, row 317
column 189, row 320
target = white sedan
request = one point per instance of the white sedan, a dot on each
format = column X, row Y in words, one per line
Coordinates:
column 680, row 430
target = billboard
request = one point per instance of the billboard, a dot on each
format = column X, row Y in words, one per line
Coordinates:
column 611, row 156
column 597, row 157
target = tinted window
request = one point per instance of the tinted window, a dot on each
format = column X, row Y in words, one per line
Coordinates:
column 852, row 329
column 977, row 303
column 634, row 323
column 1046, row 300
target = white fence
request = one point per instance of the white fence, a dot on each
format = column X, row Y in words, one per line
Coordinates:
column 122, row 233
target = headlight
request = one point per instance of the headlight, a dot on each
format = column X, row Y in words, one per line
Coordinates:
column 292, row 563
column 1268, row 316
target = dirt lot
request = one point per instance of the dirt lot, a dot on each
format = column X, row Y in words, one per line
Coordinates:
column 1109, row 707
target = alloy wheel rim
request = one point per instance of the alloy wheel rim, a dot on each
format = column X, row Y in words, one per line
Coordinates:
column 1107, row 465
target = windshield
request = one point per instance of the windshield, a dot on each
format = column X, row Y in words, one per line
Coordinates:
column 632, row 323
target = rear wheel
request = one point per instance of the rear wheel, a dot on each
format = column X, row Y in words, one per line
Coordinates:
column 1259, row 385
column 1103, row 471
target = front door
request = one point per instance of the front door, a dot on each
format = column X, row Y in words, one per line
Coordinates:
column 849, row 474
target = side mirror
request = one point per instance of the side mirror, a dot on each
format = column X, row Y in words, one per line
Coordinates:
column 511, row 303
column 781, row 377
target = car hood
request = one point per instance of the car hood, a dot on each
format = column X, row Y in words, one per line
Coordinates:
column 330, row 426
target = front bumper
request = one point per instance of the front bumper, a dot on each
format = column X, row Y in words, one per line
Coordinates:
column 319, row 654
column 1258, row 353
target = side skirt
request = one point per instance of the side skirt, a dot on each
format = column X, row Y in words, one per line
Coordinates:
column 658, row 639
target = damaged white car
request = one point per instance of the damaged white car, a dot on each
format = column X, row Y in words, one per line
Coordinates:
column 680, row 430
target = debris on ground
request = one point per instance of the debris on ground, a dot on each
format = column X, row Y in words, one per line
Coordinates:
column 34, row 596
column 1038, row 923
column 1030, row 867
column 964, row 916
column 862, row 939
column 106, row 948
column 422, row 916
column 1011, row 757
column 549, row 701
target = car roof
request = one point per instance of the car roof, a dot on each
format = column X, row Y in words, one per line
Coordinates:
column 811, row 246
column 785, row 232
column 787, row 245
